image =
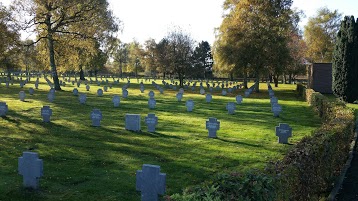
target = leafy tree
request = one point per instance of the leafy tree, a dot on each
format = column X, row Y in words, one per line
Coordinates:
column 203, row 60
column 297, row 64
column 135, row 58
column 29, row 56
column 150, row 57
column 97, row 61
column 9, row 41
column 295, row 61
column 54, row 19
column 162, row 56
column 120, row 54
column 320, row 34
column 253, row 36
column 181, row 47
column 345, row 61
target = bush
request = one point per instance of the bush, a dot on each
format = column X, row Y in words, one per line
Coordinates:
column 309, row 170
column 250, row 186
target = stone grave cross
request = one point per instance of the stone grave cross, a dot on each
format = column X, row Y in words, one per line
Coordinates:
column 151, row 120
column 75, row 92
column 150, row 182
column 31, row 91
column 179, row 96
column 212, row 125
column 46, row 113
column 3, row 109
column 31, row 168
column 116, row 100
column 276, row 109
column 99, row 92
column 231, row 107
column 151, row 94
column 283, row 132
column 51, row 96
column 151, row 103
column 83, row 98
column 238, row 99
column 189, row 105
column 124, row 93
column 208, row 98
column 22, row 95
column 96, row 116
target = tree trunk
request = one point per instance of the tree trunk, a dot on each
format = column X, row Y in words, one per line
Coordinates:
column 257, row 82
column 275, row 79
column 82, row 74
column 52, row 62
column 231, row 76
column 120, row 69
column 245, row 81
column 289, row 79
column 136, row 70
column 164, row 75
column 8, row 71
column 181, row 77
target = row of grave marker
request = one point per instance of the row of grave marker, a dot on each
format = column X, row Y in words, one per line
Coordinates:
column 149, row 181
column 132, row 121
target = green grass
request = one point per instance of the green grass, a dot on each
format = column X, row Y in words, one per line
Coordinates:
column 87, row 163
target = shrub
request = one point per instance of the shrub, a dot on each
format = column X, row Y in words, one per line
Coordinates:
column 250, row 186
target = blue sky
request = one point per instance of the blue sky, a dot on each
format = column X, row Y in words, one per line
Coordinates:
column 144, row 19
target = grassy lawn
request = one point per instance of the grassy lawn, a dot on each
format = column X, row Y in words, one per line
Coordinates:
column 87, row 163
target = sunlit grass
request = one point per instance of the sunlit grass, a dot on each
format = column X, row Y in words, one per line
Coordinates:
column 87, row 163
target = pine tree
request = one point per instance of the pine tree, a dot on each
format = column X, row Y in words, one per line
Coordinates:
column 344, row 67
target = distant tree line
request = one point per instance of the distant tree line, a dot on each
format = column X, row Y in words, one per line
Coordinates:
column 174, row 56
column 258, row 39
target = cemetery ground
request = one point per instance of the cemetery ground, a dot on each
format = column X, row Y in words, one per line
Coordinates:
column 82, row 162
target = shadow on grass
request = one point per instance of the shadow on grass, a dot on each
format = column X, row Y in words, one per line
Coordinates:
column 84, row 162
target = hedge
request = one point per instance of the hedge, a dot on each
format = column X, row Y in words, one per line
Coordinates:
column 307, row 172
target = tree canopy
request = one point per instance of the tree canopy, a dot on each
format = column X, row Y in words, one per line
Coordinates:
column 53, row 20
column 180, row 47
column 320, row 35
column 9, row 40
column 253, row 37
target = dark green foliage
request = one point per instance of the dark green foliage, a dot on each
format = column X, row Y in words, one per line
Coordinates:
column 250, row 186
column 203, row 60
column 345, row 69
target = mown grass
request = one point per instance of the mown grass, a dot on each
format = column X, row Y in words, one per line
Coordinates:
column 82, row 162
